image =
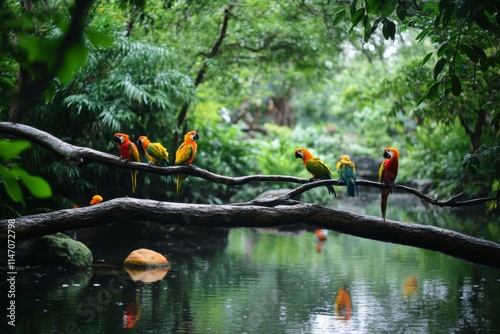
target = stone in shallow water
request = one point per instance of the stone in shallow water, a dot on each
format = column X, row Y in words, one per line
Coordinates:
column 145, row 258
column 61, row 251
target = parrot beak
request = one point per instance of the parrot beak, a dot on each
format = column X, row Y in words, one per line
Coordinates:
column 117, row 139
column 195, row 137
column 387, row 154
column 298, row 155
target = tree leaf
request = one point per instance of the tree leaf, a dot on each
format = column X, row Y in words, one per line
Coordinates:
column 73, row 59
column 391, row 27
column 401, row 12
column 439, row 67
column 479, row 51
column 426, row 58
column 422, row 35
column 433, row 90
column 98, row 38
column 357, row 16
column 37, row 186
column 473, row 56
column 11, row 185
column 12, row 149
column 338, row 17
column 443, row 48
column 456, row 87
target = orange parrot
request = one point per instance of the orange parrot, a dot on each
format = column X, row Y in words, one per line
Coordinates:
column 128, row 151
column 387, row 175
column 185, row 155
column 96, row 199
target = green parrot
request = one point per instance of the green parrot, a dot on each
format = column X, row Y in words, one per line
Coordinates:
column 316, row 167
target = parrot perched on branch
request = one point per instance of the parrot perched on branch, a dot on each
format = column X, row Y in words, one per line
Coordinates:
column 155, row 152
column 347, row 173
column 185, row 155
column 387, row 175
column 128, row 151
column 316, row 167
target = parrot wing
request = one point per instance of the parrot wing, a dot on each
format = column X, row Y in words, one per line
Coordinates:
column 184, row 154
column 318, row 169
column 134, row 153
column 158, row 153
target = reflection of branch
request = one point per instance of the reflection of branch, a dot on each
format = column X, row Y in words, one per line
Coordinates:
column 80, row 156
column 233, row 216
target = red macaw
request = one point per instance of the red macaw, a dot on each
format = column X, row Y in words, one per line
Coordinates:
column 316, row 167
column 387, row 175
column 128, row 150
column 347, row 173
column 185, row 155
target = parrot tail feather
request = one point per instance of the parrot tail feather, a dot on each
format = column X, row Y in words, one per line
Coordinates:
column 383, row 202
column 331, row 190
column 180, row 177
column 352, row 189
column 133, row 175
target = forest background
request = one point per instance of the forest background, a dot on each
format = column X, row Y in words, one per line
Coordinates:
column 257, row 79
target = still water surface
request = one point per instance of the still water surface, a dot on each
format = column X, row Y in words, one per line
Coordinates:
column 261, row 281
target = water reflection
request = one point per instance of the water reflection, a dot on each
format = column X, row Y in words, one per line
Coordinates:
column 343, row 305
column 259, row 281
column 410, row 287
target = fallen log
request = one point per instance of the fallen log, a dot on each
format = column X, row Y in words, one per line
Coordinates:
column 258, row 214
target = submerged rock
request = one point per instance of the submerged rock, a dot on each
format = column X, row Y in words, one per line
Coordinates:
column 60, row 250
column 145, row 258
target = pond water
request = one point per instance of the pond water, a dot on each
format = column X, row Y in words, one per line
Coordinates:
column 265, row 281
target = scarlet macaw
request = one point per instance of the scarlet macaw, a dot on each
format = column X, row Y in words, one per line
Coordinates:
column 316, row 167
column 155, row 152
column 128, row 150
column 387, row 175
column 185, row 155
column 347, row 173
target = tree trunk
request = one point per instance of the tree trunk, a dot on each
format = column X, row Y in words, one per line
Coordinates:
column 231, row 216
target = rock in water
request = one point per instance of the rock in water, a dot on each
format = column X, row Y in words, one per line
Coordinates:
column 145, row 258
column 60, row 250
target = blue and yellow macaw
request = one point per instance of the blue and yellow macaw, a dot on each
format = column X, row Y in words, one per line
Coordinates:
column 316, row 167
column 347, row 173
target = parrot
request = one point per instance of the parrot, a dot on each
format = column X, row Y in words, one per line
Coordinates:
column 315, row 166
column 347, row 173
column 128, row 151
column 185, row 155
column 96, row 199
column 155, row 152
column 387, row 175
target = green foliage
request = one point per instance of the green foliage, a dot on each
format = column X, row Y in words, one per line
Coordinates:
column 11, row 175
column 357, row 77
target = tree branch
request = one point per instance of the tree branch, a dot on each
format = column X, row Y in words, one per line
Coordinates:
column 79, row 156
column 232, row 216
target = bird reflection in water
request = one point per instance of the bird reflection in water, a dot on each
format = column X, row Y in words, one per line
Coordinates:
column 343, row 305
column 410, row 286
column 132, row 312
column 321, row 239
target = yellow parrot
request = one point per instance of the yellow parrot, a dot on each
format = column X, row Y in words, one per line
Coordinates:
column 185, row 155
